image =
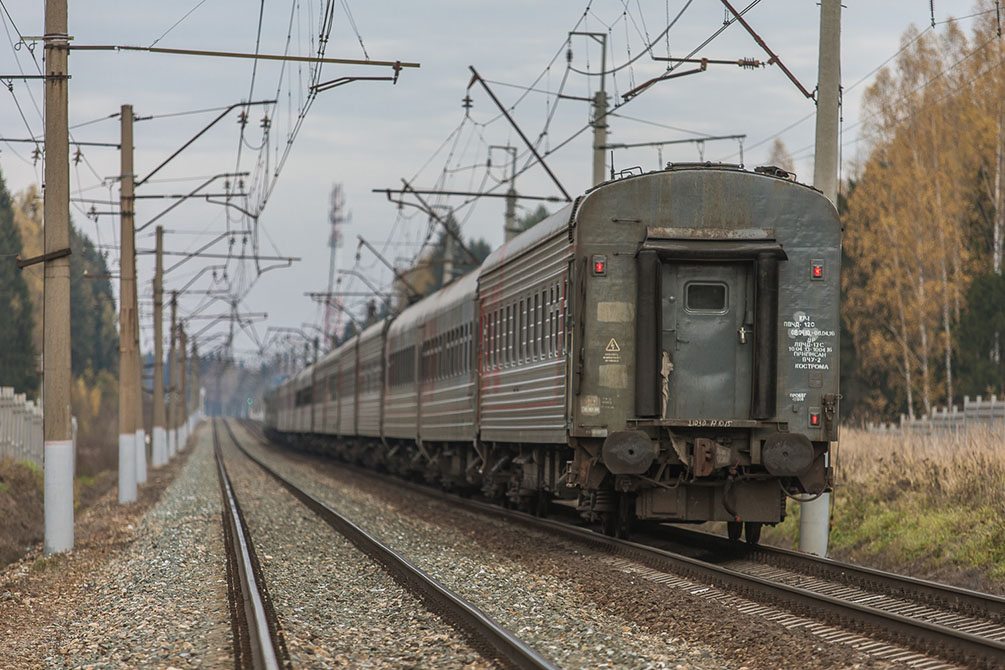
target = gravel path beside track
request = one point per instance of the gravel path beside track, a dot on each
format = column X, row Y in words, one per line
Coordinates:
column 149, row 592
column 336, row 606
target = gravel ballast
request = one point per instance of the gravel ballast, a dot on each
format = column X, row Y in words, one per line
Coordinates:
column 570, row 603
column 545, row 607
column 336, row 607
column 145, row 591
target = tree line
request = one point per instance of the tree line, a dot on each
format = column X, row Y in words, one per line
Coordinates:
column 923, row 287
column 93, row 323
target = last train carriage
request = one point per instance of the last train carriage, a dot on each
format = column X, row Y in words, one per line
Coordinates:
column 664, row 348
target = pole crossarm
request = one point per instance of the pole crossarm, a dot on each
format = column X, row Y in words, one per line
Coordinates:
column 476, row 194
column 667, row 142
column 477, row 77
column 396, row 64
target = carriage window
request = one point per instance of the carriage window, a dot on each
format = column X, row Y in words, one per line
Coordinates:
column 705, row 297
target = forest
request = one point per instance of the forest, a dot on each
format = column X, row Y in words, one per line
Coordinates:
column 93, row 323
column 923, row 302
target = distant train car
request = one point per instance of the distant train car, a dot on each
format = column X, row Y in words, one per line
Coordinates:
column 663, row 348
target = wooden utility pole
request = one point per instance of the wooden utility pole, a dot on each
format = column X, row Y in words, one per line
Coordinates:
column 814, row 519
column 172, row 395
column 159, row 452
column 128, row 359
column 56, row 372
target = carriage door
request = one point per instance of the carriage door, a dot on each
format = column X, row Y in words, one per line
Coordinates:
column 707, row 336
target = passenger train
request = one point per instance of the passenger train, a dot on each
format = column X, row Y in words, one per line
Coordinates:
column 664, row 348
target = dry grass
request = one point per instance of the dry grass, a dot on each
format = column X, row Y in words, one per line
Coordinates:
column 927, row 505
column 964, row 467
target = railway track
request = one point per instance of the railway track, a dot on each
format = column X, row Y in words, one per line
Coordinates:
column 889, row 616
column 488, row 637
column 258, row 641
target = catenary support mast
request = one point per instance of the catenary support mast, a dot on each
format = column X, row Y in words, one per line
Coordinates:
column 56, row 373
column 159, row 451
column 127, row 338
column 814, row 520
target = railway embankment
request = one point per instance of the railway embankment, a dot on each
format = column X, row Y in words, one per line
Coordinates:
column 928, row 506
column 578, row 606
column 144, row 585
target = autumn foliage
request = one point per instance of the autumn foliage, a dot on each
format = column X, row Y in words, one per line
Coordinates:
column 924, row 228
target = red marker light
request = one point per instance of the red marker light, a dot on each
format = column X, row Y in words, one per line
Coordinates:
column 817, row 270
column 598, row 267
column 814, row 418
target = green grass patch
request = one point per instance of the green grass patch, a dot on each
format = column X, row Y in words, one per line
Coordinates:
column 48, row 563
column 908, row 528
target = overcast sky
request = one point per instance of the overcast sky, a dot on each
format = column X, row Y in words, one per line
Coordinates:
column 371, row 134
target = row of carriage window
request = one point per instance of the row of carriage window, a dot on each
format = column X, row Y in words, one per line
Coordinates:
column 525, row 330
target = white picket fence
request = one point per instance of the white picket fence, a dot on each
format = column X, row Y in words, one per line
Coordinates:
column 979, row 412
column 21, row 428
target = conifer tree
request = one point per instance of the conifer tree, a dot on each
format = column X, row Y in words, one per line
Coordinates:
column 17, row 355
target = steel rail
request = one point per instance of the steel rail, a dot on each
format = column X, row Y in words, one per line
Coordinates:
column 504, row 645
column 255, row 615
column 942, row 595
column 934, row 639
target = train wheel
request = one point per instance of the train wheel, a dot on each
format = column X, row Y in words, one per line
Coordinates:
column 541, row 504
column 626, row 514
column 752, row 529
column 609, row 523
column 734, row 529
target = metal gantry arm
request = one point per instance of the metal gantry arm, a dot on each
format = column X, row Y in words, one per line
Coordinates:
column 376, row 291
column 200, row 134
column 193, row 193
column 414, row 294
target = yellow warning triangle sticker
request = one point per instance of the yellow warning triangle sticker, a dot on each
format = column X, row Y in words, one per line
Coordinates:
column 613, row 345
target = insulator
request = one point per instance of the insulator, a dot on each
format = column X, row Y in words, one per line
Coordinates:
column 240, row 184
column 568, row 55
column 749, row 63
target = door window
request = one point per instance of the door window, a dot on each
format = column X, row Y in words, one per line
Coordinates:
column 705, row 297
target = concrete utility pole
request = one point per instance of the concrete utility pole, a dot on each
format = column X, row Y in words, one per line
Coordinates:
column 141, row 434
column 127, row 337
column 56, row 374
column 600, row 119
column 183, row 388
column 172, row 395
column 814, row 519
column 160, row 451
column 196, row 386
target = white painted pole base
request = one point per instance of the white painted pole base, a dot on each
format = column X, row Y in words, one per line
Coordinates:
column 159, row 450
column 814, row 525
column 172, row 443
column 141, row 457
column 127, row 468
column 58, row 498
